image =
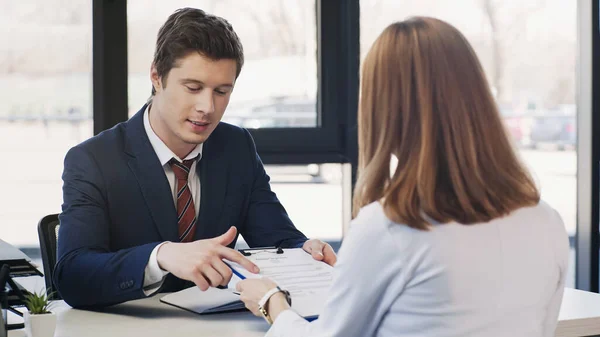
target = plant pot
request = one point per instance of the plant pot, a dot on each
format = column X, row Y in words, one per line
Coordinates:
column 42, row 325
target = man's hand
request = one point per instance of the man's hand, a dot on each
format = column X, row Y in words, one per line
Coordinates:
column 201, row 261
column 320, row 251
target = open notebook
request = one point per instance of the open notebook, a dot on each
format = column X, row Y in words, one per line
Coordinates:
column 204, row 302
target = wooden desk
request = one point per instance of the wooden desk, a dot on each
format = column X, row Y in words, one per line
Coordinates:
column 579, row 316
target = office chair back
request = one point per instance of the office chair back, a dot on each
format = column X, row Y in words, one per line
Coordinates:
column 48, row 235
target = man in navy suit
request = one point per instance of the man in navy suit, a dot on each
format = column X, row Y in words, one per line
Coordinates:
column 156, row 203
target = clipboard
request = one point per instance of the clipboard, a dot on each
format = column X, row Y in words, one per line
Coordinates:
column 295, row 270
column 214, row 300
column 253, row 251
column 258, row 250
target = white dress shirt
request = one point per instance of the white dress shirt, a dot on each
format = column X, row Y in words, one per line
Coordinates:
column 154, row 276
column 497, row 279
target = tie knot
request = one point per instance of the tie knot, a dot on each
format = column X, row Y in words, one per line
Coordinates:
column 182, row 170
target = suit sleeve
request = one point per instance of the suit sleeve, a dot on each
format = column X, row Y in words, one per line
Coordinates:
column 87, row 272
column 267, row 223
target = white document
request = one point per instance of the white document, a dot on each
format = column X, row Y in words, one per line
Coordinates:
column 307, row 279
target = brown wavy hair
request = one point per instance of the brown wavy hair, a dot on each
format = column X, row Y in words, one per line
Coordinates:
column 425, row 99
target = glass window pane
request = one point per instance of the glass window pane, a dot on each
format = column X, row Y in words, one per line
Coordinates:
column 529, row 52
column 46, row 107
column 278, row 84
column 313, row 198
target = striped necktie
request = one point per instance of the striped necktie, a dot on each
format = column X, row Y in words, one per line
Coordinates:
column 186, row 211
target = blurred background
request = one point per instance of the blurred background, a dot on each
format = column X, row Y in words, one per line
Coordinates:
column 528, row 49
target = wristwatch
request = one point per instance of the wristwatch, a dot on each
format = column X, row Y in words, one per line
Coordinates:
column 264, row 301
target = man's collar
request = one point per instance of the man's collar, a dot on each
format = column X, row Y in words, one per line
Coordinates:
column 162, row 150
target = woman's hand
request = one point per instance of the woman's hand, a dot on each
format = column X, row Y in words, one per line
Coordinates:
column 253, row 290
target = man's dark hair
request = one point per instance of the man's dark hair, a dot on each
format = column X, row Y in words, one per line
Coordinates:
column 191, row 29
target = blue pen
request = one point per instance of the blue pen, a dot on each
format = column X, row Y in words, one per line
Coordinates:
column 237, row 273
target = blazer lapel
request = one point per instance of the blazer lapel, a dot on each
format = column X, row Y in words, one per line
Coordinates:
column 151, row 178
column 213, row 171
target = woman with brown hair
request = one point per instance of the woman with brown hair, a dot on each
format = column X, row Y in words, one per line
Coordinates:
column 455, row 241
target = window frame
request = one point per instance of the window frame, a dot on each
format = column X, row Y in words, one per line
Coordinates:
column 588, row 148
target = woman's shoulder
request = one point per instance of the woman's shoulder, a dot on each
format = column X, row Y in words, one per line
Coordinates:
column 542, row 212
column 373, row 210
column 371, row 217
column 549, row 227
column 551, row 219
column 372, row 223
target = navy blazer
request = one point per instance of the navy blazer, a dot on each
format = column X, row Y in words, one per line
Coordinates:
column 118, row 205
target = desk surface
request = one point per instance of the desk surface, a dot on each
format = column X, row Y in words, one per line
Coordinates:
column 151, row 318
column 579, row 316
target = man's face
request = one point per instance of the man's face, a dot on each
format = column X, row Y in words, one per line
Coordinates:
column 191, row 104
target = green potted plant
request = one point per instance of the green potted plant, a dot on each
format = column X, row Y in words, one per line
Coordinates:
column 39, row 320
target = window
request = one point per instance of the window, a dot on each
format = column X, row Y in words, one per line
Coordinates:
column 313, row 196
column 45, row 80
column 277, row 87
column 529, row 52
